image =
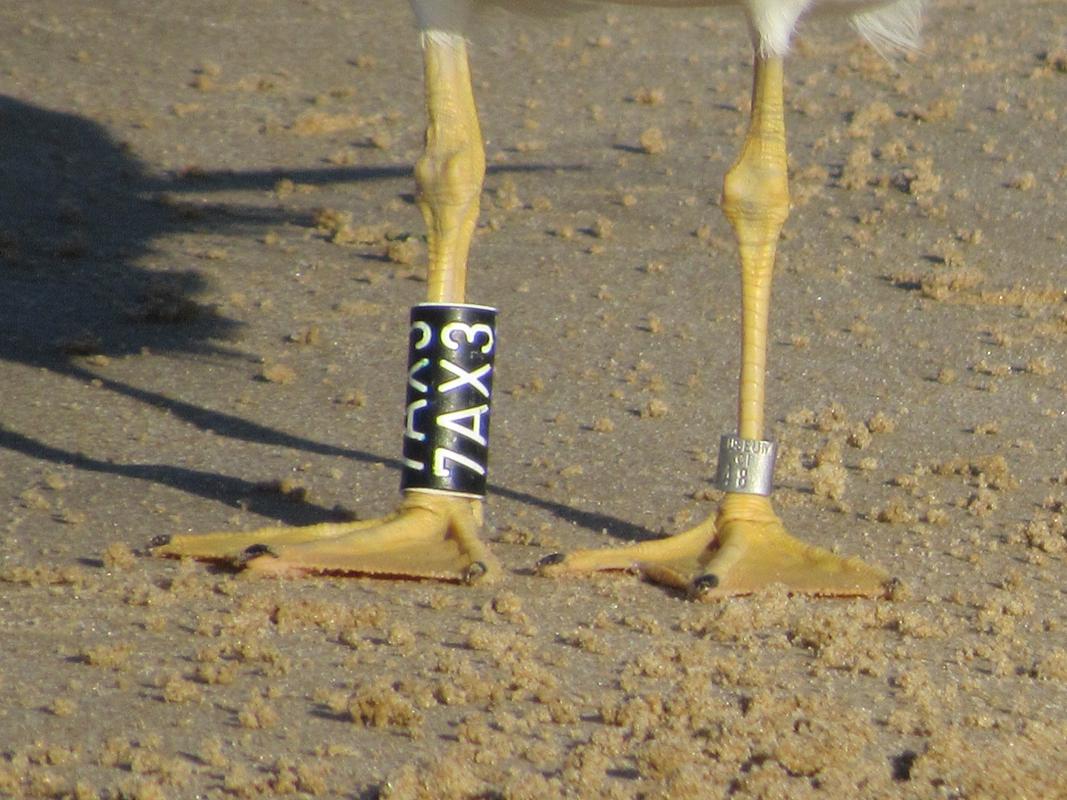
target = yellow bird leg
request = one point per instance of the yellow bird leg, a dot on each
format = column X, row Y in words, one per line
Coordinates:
column 431, row 535
column 449, row 174
column 746, row 548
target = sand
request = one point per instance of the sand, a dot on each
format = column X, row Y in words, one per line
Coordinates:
column 208, row 248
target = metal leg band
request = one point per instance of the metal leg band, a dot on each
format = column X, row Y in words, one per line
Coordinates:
column 449, row 394
column 746, row 465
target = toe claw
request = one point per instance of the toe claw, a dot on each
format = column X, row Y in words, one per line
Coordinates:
column 551, row 560
column 894, row 589
column 255, row 551
column 475, row 571
column 159, row 541
column 704, row 584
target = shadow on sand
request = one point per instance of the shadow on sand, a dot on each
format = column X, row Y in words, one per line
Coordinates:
column 79, row 215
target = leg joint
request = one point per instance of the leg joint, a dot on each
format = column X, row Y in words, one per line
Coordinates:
column 450, row 175
column 756, row 193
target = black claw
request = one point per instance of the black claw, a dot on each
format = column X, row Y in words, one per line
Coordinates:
column 255, row 551
column 160, row 541
column 551, row 560
column 894, row 589
column 475, row 571
column 704, row 584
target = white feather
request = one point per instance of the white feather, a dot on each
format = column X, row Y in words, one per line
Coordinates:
column 886, row 24
column 892, row 27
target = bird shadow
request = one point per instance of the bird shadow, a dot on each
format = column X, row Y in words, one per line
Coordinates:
column 77, row 225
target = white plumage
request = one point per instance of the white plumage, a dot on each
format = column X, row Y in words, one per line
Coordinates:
column 886, row 24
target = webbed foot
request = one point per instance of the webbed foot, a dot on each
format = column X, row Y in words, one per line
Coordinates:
column 744, row 550
column 429, row 536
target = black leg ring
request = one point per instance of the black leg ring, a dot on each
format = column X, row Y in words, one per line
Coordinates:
column 449, row 394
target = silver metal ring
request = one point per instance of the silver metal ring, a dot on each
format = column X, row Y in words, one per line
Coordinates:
column 746, row 466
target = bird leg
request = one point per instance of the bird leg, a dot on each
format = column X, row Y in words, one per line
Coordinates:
column 433, row 534
column 745, row 548
column 449, row 174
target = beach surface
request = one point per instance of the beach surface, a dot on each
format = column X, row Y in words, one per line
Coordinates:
column 208, row 250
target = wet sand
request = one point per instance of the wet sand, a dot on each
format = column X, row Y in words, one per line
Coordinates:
column 208, row 249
